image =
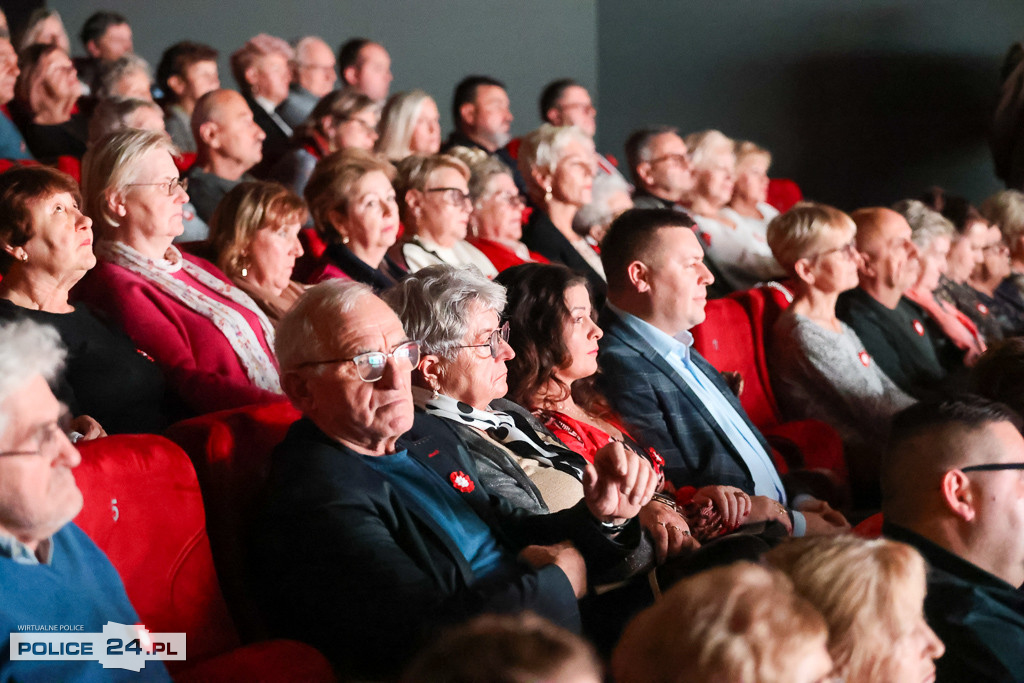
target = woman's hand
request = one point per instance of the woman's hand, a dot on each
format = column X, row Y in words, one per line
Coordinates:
column 732, row 503
column 765, row 509
column 87, row 427
column 618, row 484
column 669, row 531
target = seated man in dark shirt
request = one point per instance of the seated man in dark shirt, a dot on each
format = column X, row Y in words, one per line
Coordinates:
column 367, row 530
column 894, row 329
column 953, row 487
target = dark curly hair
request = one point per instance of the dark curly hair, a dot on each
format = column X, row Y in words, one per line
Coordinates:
column 537, row 316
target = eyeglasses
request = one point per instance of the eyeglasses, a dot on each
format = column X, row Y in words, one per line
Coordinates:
column 47, row 437
column 169, row 186
column 494, row 342
column 370, row 365
column 999, row 248
column 849, row 250
column 368, row 128
column 509, row 199
column 994, row 467
column 453, row 196
column 678, row 159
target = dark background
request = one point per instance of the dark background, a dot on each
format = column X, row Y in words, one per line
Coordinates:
column 861, row 101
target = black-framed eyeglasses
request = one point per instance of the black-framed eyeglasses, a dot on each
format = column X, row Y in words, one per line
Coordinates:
column 993, row 467
column 47, row 437
column 169, row 186
column 494, row 342
column 370, row 365
column 679, row 159
column 453, row 196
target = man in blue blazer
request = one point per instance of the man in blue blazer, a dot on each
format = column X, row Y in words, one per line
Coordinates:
column 374, row 530
column 671, row 397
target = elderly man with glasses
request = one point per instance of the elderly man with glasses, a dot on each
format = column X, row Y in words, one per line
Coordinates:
column 953, row 487
column 374, row 521
column 51, row 573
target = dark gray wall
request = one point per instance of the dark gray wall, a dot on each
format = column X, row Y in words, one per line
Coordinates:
column 861, row 101
column 433, row 43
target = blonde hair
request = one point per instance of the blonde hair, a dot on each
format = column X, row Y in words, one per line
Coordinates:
column 867, row 590
column 110, row 165
column 798, row 232
column 705, row 144
column 741, row 622
column 746, row 148
column 414, row 172
column 246, row 209
column 330, row 186
column 397, row 122
column 1006, row 209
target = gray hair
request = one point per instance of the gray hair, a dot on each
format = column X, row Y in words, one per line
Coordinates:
column 433, row 304
column 1006, row 209
column 707, row 143
column 27, row 349
column 544, row 147
column 397, row 122
column 598, row 212
column 482, row 172
column 926, row 224
column 314, row 318
column 112, row 115
column 111, row 74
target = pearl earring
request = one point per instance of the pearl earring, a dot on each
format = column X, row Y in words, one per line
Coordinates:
column 547, row 193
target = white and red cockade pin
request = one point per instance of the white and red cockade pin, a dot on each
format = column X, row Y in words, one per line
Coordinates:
column 462, row 482
column 982, row 308
column 865, row 359
column 919, row 328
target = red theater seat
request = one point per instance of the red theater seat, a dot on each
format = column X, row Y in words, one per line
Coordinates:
column 143, row 508
column 870, row 527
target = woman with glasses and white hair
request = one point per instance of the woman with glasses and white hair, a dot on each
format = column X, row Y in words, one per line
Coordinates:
column 557, row 163
column 212, row 341
column 742, row 254
column 409, row 124
column 820, row 368
column 434, row 203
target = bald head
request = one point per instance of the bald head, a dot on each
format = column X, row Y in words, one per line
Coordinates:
column 212, row 107
column 228, row 141
column 874, row 224
column 883, row 239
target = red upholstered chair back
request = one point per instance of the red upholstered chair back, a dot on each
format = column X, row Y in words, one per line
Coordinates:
column 313, row 247
column 870, row 527
column 726, row 339
column 143, row 508
column 185, row 161
column 783, row 193
column 231, row 453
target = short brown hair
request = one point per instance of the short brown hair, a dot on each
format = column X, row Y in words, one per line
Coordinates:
column 247, row 208
column 340, row 105
column 176, row 61
column 18, row 187
column 414, row 170
column 332, row 181
column 632, row 237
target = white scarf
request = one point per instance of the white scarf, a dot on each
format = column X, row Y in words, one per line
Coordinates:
column 259, row 366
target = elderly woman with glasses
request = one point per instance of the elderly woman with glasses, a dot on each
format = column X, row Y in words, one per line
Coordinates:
column 433, row 196
column 820, row 368
column 210, row 338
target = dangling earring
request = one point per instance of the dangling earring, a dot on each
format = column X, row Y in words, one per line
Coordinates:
column 23, row 257
column 547, row 193
column 245, row 265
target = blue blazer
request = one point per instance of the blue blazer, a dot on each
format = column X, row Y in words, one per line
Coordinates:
column 663, row 412
column 344, row 561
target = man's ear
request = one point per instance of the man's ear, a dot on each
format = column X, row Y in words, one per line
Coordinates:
column 93, row 49
column 639, row 274
column 350, row 74
column 431, row 369
column 643, row 171
column 250, row 75
column 208, row 133
column 467, row 112
column 554, row 116
column 958, row 495
column 296, row 388
column 177, row 84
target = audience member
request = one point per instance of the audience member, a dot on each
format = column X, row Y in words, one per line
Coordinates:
column 260, row 68
column 521, row 648
column 481, row 114
column 894, row 329
column 47, row 92
column 126, row 76
column 660, row 164
column 871, row 594
column 118, row 114
column 365, row 66
column 664, row 390
column 932, row 235
column 609, row 199
column 1006, row 210
column 313, row 77
column 106, row 36
column 433, row 197
column 49, row 569
column 212, row 341
column 991, row 279
column 737, row 623
column 229, row 143
column 355, row 213
column 409, row 124
column 254, row 240
column 951, row 487
column 739, row 249
column 12, row 144
column 45, row 26
column 343, row 119
column 749, row 208
column 47, row 248
column 186, row 72
column 394, row 530
column 819, row 366
column 557, row 164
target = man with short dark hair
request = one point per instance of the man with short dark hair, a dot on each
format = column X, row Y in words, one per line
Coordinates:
column 481, row 113
column 366, row 67
column 106, row 36
column 186, row 72
column 660, row 165
column 313, row 77
column 953, row 487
